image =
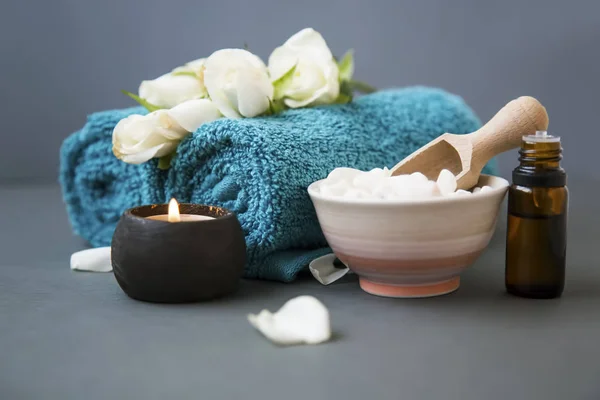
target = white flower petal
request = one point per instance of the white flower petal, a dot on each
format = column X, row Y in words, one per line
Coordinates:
column 145, row 155
column 138, row 131
column 291, row 103
column 138, row 138
column 196, row 63
column 316, row 78
column 251, row 101
column 169, row 90
column 281, row 60
column 152, row 140
column 194, row 66
column 93, row 260
column 215, row 81
column 193, row 113
column 321, row 96
column 303, row 319
column 309, row 42
column 167, row 129
column 122, row 131
column 307, row 79
column 231, row 94
column 234, row 77
column 223, row 104
column 251, row 98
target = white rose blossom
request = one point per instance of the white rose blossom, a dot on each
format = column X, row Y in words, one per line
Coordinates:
column 138, row 138
column 315, row 79
column 182, row 84
column 238, row 83
column 233, row 83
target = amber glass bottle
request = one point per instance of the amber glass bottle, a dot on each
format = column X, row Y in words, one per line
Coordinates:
column 536, row 237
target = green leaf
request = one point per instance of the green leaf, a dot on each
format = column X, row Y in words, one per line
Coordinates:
column 164, row 162
column 276, row 106
column 345, row 95
column 246, row 46
column 283, row 82
column 149, row 106
column 346, row 66
column 343, row 99
column 185, row 73
column 361, row 86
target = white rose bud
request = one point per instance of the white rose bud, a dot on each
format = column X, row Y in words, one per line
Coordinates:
column 316, row 77
column 138, row 138
column 238, row 83
column 182, row 84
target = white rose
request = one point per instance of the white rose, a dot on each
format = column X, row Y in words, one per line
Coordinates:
column 182, row 84
column 316, row 77
column 238, row 83
column 138, row 138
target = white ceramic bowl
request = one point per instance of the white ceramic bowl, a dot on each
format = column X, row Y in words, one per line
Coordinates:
column 410, row 248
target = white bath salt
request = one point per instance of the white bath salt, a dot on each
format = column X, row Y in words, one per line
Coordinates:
column 400, row 180
column 336, row 189
column 303, row 319
column 418, row 177
column 342, row 174
column 369, row 180
column 356, row 194
column 446, row 182
column 461, row 192
column 486, row 189
column 424, row 190
column 384, row 190
column 379, row 184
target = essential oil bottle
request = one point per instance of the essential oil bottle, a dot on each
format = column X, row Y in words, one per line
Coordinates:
column 536, row 237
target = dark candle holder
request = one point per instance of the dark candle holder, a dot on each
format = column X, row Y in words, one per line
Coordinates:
column 164, row 262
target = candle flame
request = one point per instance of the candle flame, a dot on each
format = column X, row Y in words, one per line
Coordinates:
column 174, row 211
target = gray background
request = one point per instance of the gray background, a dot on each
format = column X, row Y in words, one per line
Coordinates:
column 63, row 59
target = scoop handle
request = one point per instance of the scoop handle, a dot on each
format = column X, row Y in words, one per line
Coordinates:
column 522, row 116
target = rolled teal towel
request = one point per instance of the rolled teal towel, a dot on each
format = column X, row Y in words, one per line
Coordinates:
column 257, row 167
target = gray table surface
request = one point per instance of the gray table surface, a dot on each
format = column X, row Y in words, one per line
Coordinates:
column 74, row 335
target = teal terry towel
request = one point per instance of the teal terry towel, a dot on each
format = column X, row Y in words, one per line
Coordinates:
column 257, row 167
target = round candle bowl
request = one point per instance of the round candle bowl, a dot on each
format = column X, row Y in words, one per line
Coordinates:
column 178, row 262
column 410, row 248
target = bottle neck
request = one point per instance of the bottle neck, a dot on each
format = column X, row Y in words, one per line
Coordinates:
column 540, row 165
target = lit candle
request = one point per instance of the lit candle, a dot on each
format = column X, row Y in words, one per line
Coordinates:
column 170, row 261
column 175, row 216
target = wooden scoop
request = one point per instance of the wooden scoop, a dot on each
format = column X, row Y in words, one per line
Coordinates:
column 466, row 155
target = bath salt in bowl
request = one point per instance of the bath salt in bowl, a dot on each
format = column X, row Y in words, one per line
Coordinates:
column 407, row 242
